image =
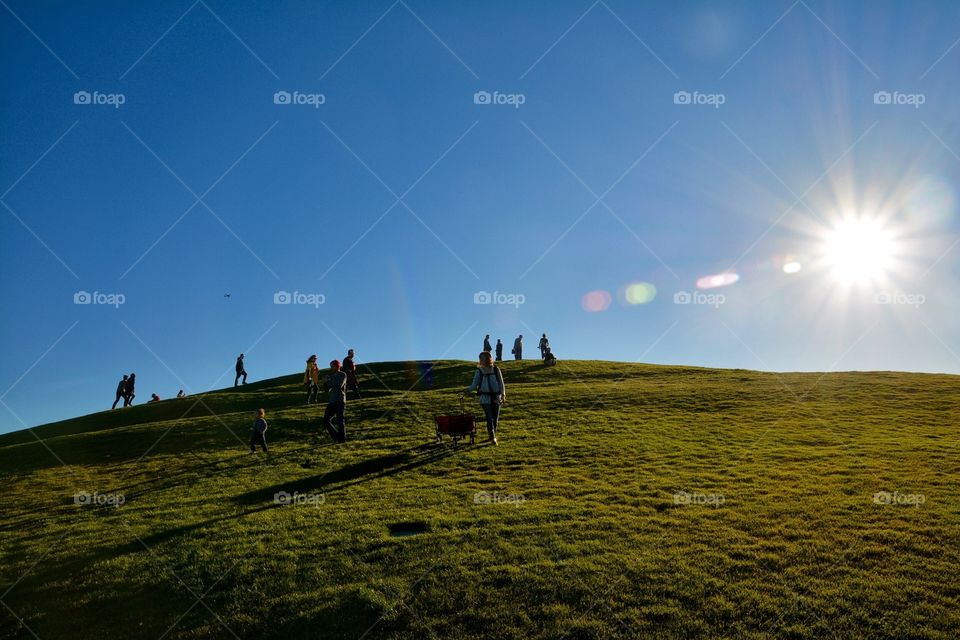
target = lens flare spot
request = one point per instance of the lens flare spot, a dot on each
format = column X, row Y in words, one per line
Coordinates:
column 639, row 293
column 792, row 267
column 717, row 280
column 596, row 301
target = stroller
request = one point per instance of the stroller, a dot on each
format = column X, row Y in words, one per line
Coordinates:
column 457, row 426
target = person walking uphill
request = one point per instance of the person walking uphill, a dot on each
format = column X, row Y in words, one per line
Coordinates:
column 311, row 379
column 337, row 403
column 499, row 350
column 240, row 371
column 518, row 348
column 486, row 344
column 259, row 436
column 350, row 368
column 129, row 390
column 121, row 390
column 488, row 381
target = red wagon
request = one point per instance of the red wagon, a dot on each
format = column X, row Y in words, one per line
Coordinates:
column 457, row 426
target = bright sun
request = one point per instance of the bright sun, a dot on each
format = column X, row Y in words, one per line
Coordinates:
column 859, row 251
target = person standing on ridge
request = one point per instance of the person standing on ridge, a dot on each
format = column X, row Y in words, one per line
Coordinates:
column 129, row 391
column 350, row 368
column 337, row 402
column 241, row 371
column 311, row 379
column 518, row 348
column 121, row 390
column 544, row 347
column 499, row 350
column 486, row 344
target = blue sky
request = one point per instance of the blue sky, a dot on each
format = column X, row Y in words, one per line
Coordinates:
column 404, row 194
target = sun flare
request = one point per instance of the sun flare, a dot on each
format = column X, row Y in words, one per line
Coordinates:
column 859, row 251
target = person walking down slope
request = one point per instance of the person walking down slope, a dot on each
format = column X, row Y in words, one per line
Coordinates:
column 241, row 371
column 259, row 436
column 499, row 350
column 350, row 368
column 337, row 402
column 486, row 344
column 488, row 381
column 518, row 348
column 121, row 390
column 544, row 347
column 311, row 379
column 129, row 391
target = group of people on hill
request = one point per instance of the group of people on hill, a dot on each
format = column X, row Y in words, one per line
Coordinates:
column 487, row 382
column 126, row 387
column 545, row 353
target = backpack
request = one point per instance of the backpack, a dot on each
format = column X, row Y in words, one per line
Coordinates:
column 483, row 377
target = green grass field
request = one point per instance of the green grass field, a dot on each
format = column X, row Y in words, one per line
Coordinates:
column 624, row 501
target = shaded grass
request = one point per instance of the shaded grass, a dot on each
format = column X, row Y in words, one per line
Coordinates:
column 577, row 532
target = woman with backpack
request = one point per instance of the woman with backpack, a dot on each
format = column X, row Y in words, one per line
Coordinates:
column 488, row 382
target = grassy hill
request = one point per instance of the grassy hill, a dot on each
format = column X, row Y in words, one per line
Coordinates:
column 624, row 501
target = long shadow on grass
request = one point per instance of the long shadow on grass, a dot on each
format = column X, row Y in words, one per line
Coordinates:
column 353, row 474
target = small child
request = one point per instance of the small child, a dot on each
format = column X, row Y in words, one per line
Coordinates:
column 259, row 432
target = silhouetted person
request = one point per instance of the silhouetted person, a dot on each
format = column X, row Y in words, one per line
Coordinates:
column 544, row 346
column 350, row 368
column 311, row 379
column 499, row 350
column 121, row 389
column 518, row 348
column 486, row 344
column 181, row 394
column 259, row 436
column 154, row 398
column 240, row 371
column 337, row 403
column 488, row 381
column 129, row 390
